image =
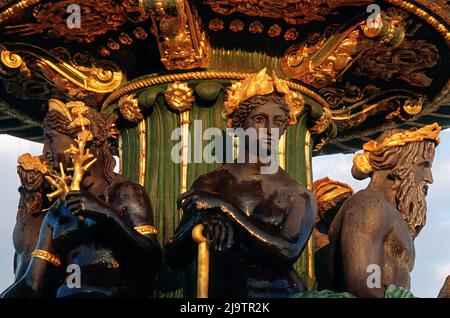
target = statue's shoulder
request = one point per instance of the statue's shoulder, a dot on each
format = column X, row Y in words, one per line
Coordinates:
column 369, row 205
column 126, row 187
column 293, row 186
column 213, row 179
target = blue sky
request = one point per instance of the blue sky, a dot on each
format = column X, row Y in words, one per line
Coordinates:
column 432, row 246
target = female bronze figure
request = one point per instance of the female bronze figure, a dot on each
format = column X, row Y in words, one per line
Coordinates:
column 258, row 224
column 105, row 229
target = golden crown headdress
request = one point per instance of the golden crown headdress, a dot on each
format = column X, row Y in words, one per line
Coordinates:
column 327, row 189
column 75, row 112
column 262, row 84
column 429, row 132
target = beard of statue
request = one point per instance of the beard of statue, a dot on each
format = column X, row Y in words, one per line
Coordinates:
column 401, row 161
column 411, row 202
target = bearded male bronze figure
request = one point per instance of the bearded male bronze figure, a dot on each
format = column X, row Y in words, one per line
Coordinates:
column 374, row 231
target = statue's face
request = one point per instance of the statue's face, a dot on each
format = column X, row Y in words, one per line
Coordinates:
column 54, row 145
column 268, row 116
column 422, row 169
column 412, row 191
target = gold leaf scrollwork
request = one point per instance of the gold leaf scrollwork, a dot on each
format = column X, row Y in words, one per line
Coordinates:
column 322, row 63
column 322, row 124
column 413, row 106
column 179, row 96
column 10, row 59
column 129, row 108
column 77, row 75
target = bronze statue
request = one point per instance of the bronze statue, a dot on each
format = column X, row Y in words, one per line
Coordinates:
column 330, row 195
column 30, row 213
column 375, row 229
column 102, row 223
column 258, row 224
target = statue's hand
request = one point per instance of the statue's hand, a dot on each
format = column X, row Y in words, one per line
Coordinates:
column 200, row 201
column 445, row 291
column 87, row 205
column 219, row 232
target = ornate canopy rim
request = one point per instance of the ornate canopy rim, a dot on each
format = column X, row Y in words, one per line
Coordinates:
column 152, row 80
column 429, row 18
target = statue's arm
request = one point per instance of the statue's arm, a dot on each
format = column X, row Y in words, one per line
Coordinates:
column 128, row 209
column 282, row 247
column 143, row 249
column 42, row 277
column 181, row 249
column 364, row 230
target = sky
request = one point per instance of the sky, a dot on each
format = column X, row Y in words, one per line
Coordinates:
column 432, row 245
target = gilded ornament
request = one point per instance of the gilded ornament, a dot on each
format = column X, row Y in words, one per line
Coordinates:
column 139, row 33
column 10, row 59
column 322, row 63
column 292, row 11
column 146, row 230
column 98, row 18
column 125, row 39
column 177, row 28
column 274, row 31
column 179, row 96
column 327, row 189
column 47, row 256
column 291, row 34
column 237, row 25
column 201, row 75
column 113, row 45
column 429, row 132
column 129, row 108
column 256, row 27
column 216, row 24
column 77, row 74
column 322, row 124
column 413, row 106
column 29, row 162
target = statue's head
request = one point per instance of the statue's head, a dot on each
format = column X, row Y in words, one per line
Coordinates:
column 263, row 103
column 62, row 124
column 407, row 158
column 31, row 171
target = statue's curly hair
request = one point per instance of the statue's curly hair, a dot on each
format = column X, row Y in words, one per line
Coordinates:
column 239, row 116
column 399, row 160
column 31, row 192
